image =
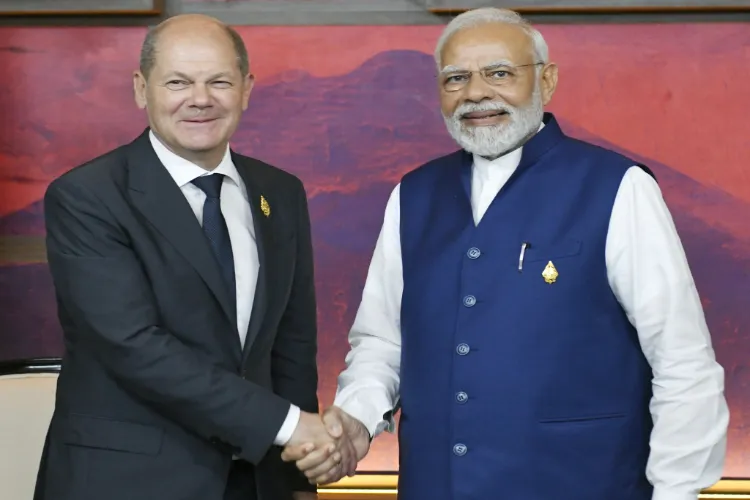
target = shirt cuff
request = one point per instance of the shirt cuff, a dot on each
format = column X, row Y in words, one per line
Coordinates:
column 288, row 427
column 672, row 494
column 370, row 411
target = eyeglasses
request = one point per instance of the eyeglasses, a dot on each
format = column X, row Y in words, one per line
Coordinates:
column 499, row 75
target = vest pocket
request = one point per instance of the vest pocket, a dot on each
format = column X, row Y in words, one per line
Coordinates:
column 574, row 450
column 553, row 250
column 581, row 419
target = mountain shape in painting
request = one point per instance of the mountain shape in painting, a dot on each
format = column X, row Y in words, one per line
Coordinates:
column 350, row 138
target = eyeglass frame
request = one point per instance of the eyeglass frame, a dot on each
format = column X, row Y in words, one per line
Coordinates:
column 449, row 71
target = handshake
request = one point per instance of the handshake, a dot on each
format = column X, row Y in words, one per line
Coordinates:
column 328, row 447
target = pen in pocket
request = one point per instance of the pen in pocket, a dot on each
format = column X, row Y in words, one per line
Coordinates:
column 524, row 246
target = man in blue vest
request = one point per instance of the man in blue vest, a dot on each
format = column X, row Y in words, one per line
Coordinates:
column 529, row 307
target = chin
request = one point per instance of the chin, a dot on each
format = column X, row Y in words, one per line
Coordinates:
column 473, row 129
column 207, row 143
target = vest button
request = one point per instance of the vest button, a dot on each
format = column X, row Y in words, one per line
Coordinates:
column 473, row 253
column 470, row 301
column 459, row 449
column 462, row 397
column 462, row 349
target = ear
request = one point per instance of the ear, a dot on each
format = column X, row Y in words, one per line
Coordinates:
column 247, row 88
column 548, row 82
column 139, row 89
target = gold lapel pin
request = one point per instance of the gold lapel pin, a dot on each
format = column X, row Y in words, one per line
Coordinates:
column 264, row 206
column 550, row 273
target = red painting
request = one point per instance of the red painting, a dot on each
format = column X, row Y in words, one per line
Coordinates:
column 351, row 109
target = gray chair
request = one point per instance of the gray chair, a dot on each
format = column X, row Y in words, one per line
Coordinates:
column 27, row 399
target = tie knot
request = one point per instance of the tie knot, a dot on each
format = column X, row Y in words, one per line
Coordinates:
column 210, row 184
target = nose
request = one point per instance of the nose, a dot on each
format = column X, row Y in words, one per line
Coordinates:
column 201, row 96
column 477, row 89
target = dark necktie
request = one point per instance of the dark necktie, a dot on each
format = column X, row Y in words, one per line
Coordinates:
column 215, row 229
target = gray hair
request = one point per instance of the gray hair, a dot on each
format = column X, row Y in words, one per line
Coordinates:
column 489, row 15
column 150, row 45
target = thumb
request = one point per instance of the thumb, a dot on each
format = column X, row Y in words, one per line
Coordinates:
column 333, row 422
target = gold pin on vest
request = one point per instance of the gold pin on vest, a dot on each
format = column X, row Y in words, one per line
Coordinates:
column 550, row 273
column 264, row 206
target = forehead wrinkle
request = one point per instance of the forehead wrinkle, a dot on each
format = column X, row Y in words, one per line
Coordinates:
column 510, row 40
column 211, row 76
column 498, row 63
column 494, row 64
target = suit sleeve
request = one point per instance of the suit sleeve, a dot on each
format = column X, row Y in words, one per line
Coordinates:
column 102, row 286
column 294, row 365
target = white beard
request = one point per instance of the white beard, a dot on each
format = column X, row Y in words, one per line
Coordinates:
column 492, row 141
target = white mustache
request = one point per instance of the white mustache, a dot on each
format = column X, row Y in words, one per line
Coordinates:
column 482, row 106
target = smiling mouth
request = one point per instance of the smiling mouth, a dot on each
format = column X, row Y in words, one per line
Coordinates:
column 202, row 120
column 479, row 115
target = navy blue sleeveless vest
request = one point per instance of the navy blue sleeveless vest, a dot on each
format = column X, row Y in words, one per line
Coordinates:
column 520, row 384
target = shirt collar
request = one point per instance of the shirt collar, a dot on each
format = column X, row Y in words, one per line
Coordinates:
column 509, row 160
column 183, row 171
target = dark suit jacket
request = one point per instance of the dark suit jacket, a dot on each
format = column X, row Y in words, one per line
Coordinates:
column 156, row 393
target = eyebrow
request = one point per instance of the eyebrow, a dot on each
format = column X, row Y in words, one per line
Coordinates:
column 222, row 74
column 451, row 69
column 493, row 65
column 186, row 77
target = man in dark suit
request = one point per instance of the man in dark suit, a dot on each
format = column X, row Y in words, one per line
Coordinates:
column 184, row 280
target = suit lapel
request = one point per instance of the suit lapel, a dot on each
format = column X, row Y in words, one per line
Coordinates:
column 264, row 241
column 160, row 200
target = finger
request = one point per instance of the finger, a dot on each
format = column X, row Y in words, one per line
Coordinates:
column 317, row 457
column 353, row 460
column 324, row 467
column 349, row 461
column 330, row 463
column 330, row 477
column 294, row 453
column 333, row 422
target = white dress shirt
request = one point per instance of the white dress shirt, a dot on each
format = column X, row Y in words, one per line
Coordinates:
column 235, row 207
column 650, row 277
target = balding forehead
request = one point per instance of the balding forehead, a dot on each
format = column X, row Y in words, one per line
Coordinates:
column 492, row 32
column 506, row 41
column 191, row 26
column 188, row 20
column 188, row 24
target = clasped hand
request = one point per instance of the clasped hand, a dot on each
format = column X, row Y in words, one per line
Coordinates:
column 327, row 448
